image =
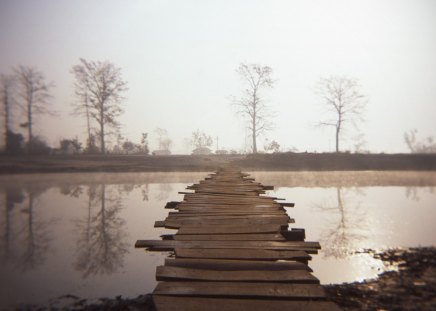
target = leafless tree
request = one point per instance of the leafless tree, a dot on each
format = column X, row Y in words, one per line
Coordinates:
column 34, row 95
column 7, row 83
column 251, row 105
column 99, row 87
column 82, row 107
column 343, row 101
column 201, row 139
column 427, row 145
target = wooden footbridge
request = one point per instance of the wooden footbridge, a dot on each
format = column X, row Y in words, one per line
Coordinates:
column 233, row 251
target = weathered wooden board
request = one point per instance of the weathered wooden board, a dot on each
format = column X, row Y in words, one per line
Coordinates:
column 230, row 244
column 197, row 218
column 240, row 289
column 177, row 303
column 224, row 213
column 251, row 206
column 205, row 222
column 227, row 237
column 229, row 229
column 168, row 273
column 177, row 223
column 248, row 254
column 238, row 265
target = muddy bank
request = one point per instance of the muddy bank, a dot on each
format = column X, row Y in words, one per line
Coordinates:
column 412, row 286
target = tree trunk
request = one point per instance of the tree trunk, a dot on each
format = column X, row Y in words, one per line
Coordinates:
column 253, row 126
column 338, row 129
column 29, row 125
column 254, row 137
column 7, row 117
column 88, row 123
column 103, row 149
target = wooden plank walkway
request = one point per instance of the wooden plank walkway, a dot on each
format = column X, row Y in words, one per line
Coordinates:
column 233, row 250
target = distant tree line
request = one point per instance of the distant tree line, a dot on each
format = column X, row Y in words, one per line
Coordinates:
column 99, row 90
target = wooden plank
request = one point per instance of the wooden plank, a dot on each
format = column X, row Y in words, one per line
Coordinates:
column 228, row 237
column 206, row 222
column 229, row 229
column 172, row 204
column 224, row 213
column 230, row 209
column 240, row 290
column 167, row 273
column 248, row 254
column 246, row 215
column 178, row 303
column 238, row 265
column 271, row 205
column 197, row 218
column 296, row 234
column 229, row 244
column 169, row 245
column 159, row 224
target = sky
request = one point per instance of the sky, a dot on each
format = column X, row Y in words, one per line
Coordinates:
column 180, row 58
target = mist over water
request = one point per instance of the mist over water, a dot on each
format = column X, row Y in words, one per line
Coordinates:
column 74, row 233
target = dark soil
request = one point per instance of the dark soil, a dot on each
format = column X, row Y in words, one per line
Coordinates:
column 412, row 287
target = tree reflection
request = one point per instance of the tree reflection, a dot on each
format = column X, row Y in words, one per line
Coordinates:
column 36, row 234
column 164, row 191
column 413, row 193
column 128, row 188
column 100, row 246
column 340, row 239
column 12, row 197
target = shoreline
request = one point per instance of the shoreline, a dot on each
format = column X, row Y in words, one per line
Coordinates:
column 200, row 163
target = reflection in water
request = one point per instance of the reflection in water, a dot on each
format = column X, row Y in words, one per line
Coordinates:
column 100, row 215
column 101, row 245
column 36, row 234
column 413, row 193
column 125, row 189
column 164, row 191
column 26, row 237
column 341, row 236
column 12, row 196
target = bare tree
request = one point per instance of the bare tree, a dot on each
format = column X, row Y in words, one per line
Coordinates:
column 427, row 145
column 250, row 105
column 82, row 107
column 99, row 86
column 201, row 139
column 343, row 101
column 7, row 83
column 34, row 94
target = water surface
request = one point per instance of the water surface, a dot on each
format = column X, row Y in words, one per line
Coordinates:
column 74, row 233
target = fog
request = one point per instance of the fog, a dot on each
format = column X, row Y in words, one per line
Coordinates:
column 179, row 59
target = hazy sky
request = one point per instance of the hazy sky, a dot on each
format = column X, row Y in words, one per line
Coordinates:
column 179, row 58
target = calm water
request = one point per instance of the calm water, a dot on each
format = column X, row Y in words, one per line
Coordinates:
column 74, row 233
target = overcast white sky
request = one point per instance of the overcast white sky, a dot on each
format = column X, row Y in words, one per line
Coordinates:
column 179, row 58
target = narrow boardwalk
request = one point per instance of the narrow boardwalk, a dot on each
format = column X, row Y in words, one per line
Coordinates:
column 233, row 251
